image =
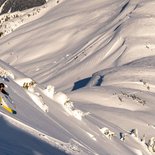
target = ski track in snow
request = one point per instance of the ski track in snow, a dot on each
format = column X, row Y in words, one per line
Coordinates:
column 81, row 74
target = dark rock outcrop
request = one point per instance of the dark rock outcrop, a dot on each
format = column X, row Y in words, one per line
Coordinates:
column 19, row 5
column 2, row 1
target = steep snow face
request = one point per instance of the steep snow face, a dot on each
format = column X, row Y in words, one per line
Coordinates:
column 93, row 63
column 69, row 34
column 69, row 27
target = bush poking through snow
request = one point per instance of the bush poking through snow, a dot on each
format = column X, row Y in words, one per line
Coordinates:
column 1, row 34
column 109, row 134
column 143, row 139
column 26, row 83
column 120, row 98
column 123, row 136
column 5, row 73
column 133, row 97
column 145, row 84
column 29, row 85
column 134, row 133
column 151, row 144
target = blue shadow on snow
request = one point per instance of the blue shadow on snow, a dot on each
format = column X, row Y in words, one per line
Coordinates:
column 14, row 141
column 81, row 83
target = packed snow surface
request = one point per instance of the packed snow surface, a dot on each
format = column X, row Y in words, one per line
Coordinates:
column 81, row 76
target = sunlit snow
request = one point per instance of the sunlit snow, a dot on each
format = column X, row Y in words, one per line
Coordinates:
column 81, row 74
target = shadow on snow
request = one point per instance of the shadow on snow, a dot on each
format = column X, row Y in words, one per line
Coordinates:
column 81, row 83
column 14, row 141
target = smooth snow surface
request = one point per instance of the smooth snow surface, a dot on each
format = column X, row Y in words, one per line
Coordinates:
column 81, row 76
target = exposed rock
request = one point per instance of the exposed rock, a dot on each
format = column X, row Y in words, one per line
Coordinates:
column 19, row 5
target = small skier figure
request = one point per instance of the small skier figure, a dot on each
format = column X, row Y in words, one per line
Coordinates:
column 2, row 89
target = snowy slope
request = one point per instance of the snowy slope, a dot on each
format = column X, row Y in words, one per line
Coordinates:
column 81, row 74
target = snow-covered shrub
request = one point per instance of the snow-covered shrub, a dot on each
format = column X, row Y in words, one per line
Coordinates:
column 151, row 144
column 26, row 83
column 134, row 132
column 29, row 85
column 109, row 134
column 123, row 136
column 5, row 73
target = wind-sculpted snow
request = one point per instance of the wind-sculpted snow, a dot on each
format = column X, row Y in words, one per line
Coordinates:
column 91, row 64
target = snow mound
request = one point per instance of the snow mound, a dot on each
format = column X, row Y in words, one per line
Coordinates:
column 37, row 98
column 29, row 85
column 64, row 100
column 48, row 91
column 61, row 98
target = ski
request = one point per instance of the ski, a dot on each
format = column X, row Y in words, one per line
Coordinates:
column 8, row 109
column 5, row 106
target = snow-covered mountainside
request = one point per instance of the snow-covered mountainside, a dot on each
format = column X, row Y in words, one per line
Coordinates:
column 81, row 76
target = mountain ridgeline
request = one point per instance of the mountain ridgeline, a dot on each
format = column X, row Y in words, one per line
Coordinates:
column 18, row 5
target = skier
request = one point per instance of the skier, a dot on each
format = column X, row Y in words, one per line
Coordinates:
column 3, row 104
column 2, row 89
